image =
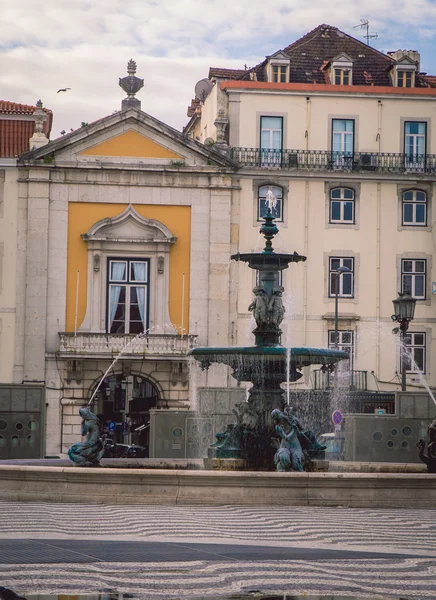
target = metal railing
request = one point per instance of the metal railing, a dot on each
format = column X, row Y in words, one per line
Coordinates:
column 107, row 343
column 387, row 162
column 352, row 380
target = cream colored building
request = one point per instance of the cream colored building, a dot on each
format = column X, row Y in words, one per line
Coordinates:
column 345, row 138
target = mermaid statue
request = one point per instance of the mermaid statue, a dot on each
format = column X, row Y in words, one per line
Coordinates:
column 89, row 452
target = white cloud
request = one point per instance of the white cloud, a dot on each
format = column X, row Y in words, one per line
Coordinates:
column 86, row 44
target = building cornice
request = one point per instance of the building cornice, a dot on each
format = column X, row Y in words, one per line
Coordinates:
column 263, row 87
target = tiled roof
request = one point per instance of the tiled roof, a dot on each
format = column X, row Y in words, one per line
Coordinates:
column 324, row 43
column 226, row 73
column 194, row 108
column 427, row 80
column 16, row 133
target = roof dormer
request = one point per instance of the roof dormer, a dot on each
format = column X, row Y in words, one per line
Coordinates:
column 278, row 67
column 404, row 68
column 342, row 70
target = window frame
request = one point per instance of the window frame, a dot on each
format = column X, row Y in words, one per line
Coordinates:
column 414, row 274
column 282, row 70
column 340, row 279
column 343, row 159
column 402, row 75
column 342, row 201
column 341, row 71
column 414, row 202
column 341, row 344
column 414, row 161
column 259, row 197
column 128, row 285
column 412, row 347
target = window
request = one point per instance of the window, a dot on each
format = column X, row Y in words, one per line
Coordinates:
column 415, row 144
column 279, row 73
column 342, row 77
column 341, row 205
column 413, row 277
column 127, row 296
column 344, row 283
column 263, row 193
column 271, row 140
column 414, row 359
column 414, row 207
column 405, row 78
column 345, row 342
column 342, row 142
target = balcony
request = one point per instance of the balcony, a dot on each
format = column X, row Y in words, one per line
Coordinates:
column 324, row 160
column 351, row 380
column 105, row 345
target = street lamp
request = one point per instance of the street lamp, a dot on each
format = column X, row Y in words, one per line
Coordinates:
column 338, row 273
column 404, row 311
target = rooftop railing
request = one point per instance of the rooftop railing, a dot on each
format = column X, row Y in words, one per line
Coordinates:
column 384, row 162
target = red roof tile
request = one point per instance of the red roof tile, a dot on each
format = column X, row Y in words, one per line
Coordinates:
column 16, row 133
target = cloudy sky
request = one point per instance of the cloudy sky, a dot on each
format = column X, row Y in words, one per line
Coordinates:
column 85, row 45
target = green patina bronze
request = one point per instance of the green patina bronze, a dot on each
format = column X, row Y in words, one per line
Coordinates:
column 265, row 366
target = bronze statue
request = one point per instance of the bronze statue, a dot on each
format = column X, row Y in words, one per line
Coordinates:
column 427, row 448
column 89, row 452
column 276, row 310
column 259, row 306
column 289, row 455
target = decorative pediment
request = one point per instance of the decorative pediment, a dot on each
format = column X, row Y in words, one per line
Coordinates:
column 405, row 61
column 280, row 55
column 342, row 58
column 129, row 226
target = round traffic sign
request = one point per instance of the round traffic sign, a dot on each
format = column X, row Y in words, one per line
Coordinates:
column 337, row 417
column 112, row 426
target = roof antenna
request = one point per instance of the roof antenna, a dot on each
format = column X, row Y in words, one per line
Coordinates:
column 364, row 24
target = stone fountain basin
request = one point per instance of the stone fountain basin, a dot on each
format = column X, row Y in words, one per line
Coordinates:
column 299, row 357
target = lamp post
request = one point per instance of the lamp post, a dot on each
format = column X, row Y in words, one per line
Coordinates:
column 404, row 311
column 338, row 273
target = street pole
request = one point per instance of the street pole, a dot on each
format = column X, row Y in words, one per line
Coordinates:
column 336, row 313
column 403, row 328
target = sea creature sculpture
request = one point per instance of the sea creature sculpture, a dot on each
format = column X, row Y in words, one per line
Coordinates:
column 276, row 310
column 427, row 448
column 89, row 452
column 289, row 455
column 259, row 306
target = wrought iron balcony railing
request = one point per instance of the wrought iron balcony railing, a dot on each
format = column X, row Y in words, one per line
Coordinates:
column 352, row 380
column 92, row 344
column 387, row 162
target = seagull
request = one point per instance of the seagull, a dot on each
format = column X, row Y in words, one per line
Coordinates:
column 63, row 90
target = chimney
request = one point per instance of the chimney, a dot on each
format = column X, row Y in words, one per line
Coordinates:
column 412, row 54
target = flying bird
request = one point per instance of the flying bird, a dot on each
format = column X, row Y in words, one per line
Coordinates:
column 63, row 90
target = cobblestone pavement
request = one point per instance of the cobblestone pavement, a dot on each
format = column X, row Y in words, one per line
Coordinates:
column 200, row 552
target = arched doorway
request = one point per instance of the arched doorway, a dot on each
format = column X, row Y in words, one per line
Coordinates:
column 123, row 407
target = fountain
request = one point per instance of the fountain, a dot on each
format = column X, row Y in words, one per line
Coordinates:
column 266, row 365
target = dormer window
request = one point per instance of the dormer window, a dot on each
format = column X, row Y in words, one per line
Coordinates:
column 342, row 70
column 342, row 77
column 280, row 73
column 278, row 67
column 405, row 67
column 405, row 78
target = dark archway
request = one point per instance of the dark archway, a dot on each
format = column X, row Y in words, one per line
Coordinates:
column 123, row 407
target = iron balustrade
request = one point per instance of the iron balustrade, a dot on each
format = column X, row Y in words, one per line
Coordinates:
column 353, row 380
column 384, row 162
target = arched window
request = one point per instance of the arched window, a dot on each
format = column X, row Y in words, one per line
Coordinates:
column 342, row 205
column 277, row 201
column 414, row 208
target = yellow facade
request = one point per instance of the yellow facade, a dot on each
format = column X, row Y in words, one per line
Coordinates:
column 82, row 215
column 131, row 144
